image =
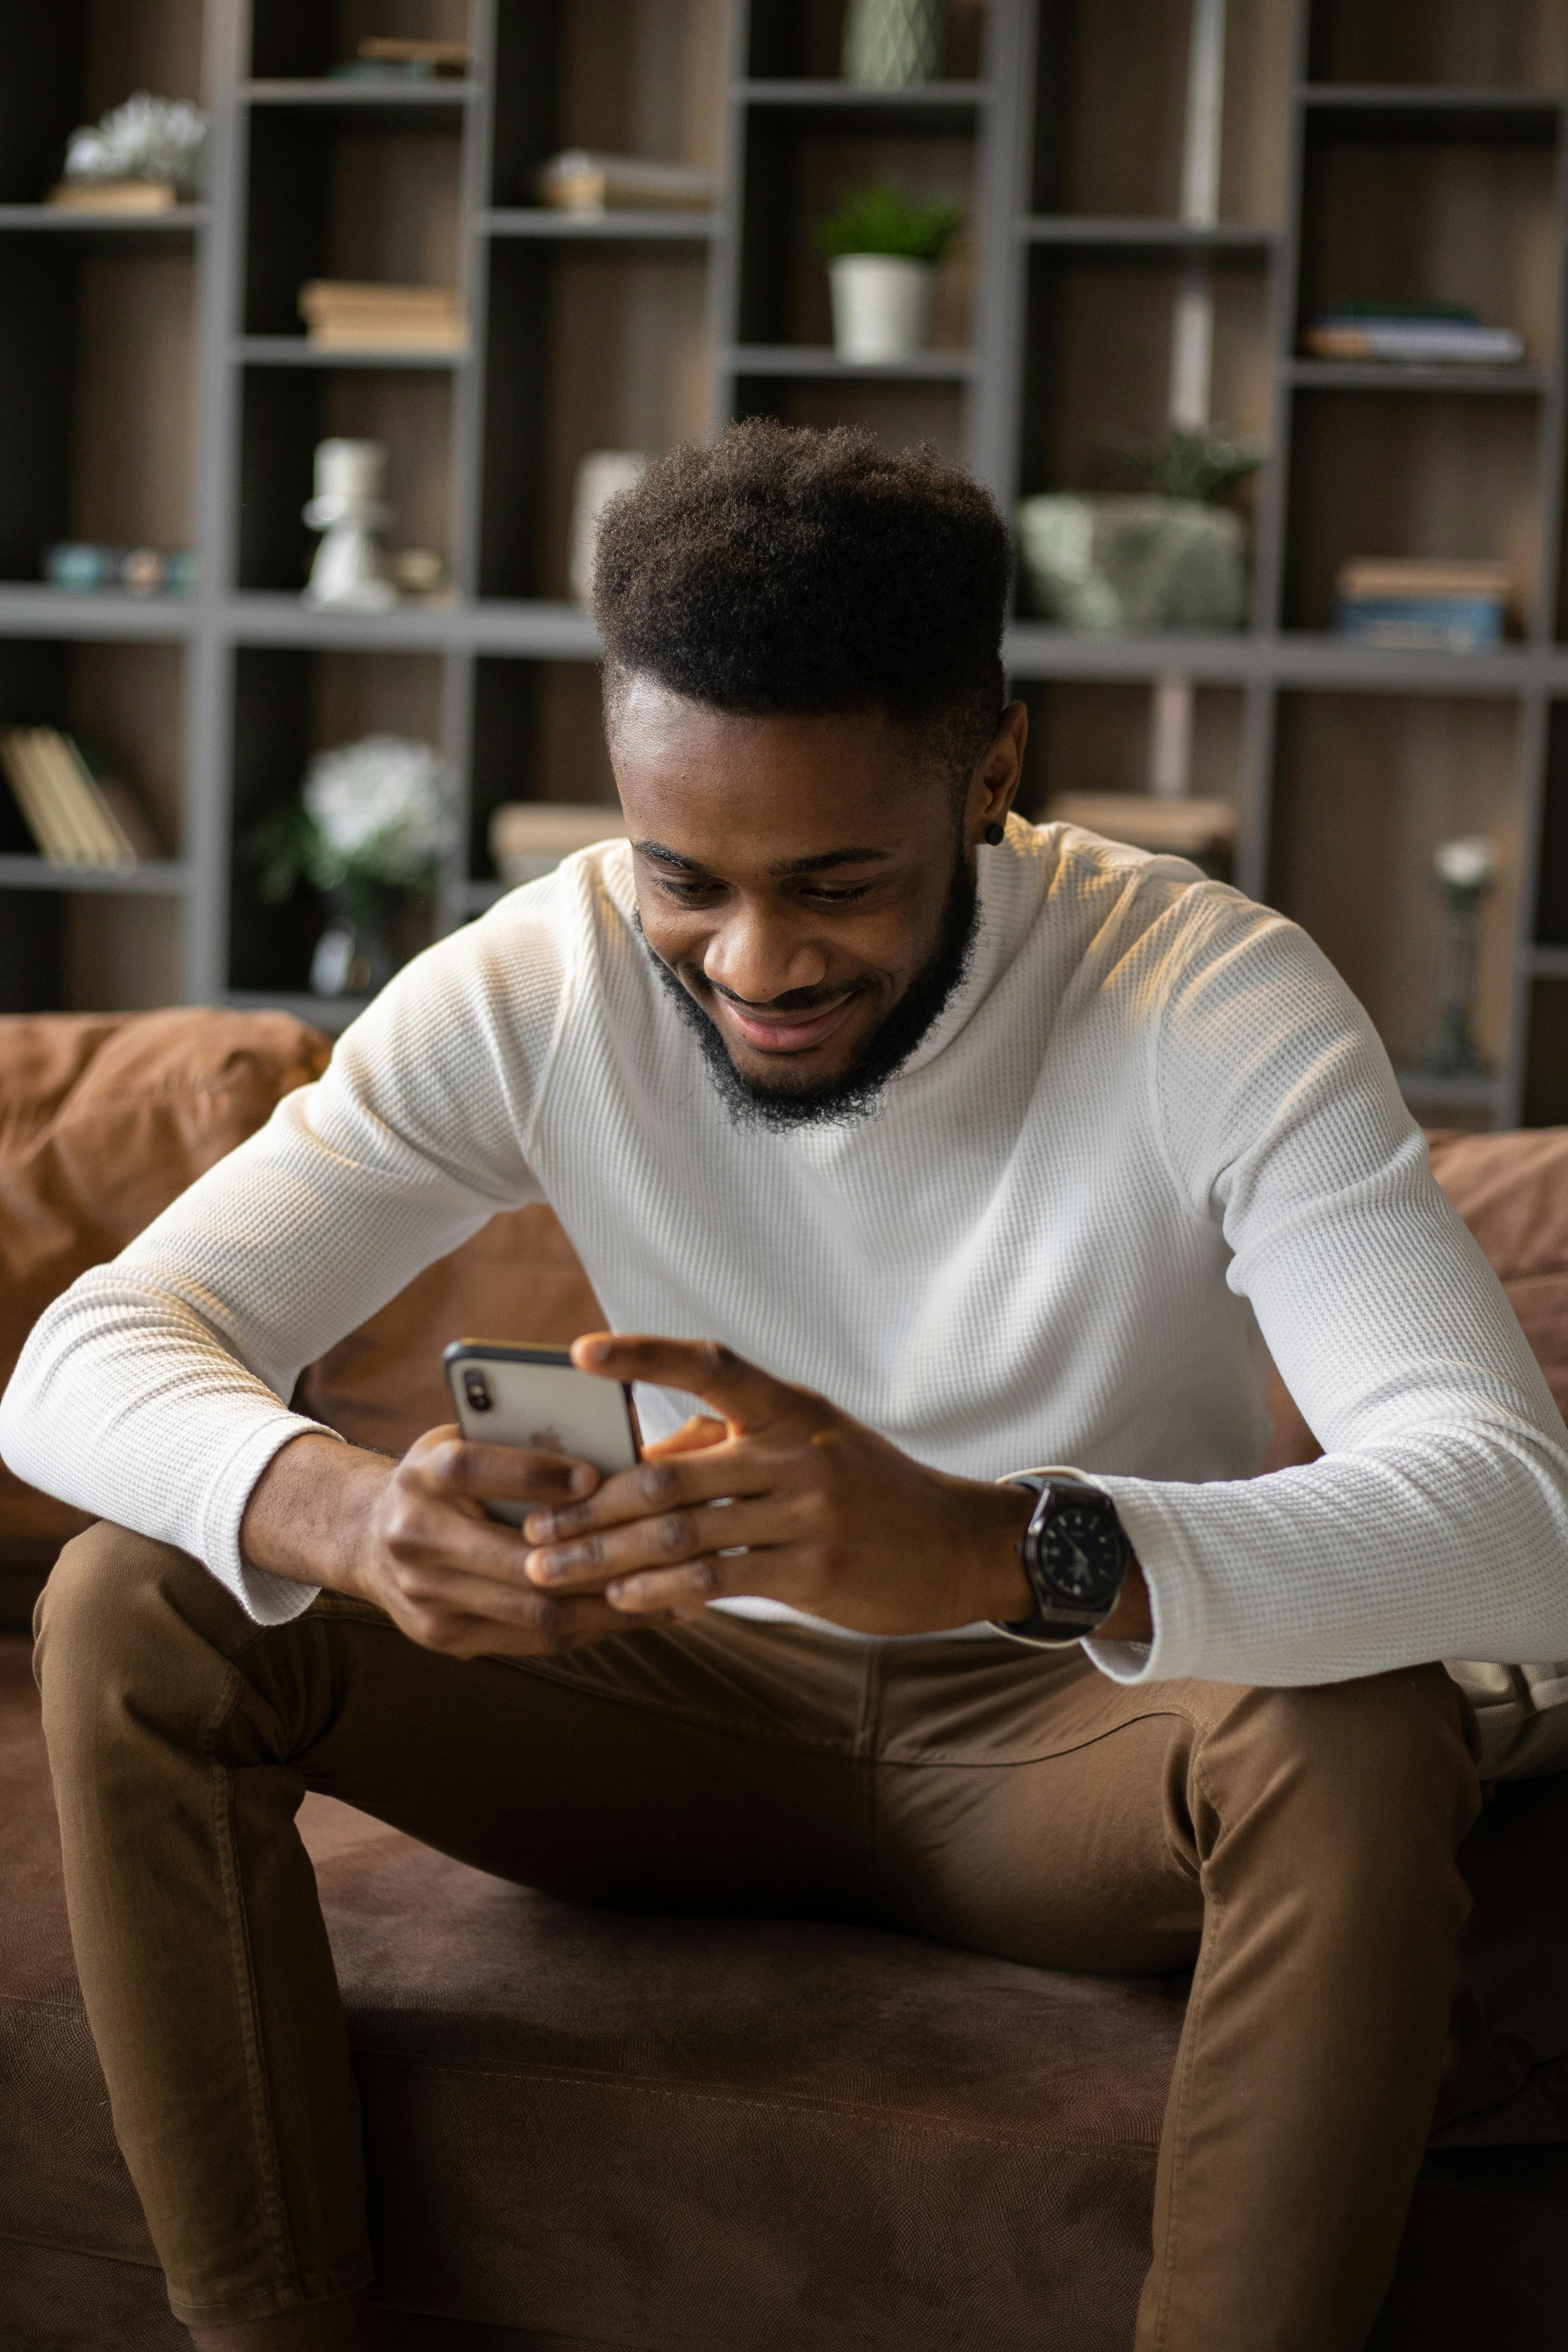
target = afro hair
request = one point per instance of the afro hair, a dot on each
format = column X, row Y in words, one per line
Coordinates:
column 785, row 570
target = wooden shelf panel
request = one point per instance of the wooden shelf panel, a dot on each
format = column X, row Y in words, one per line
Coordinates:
column 1397, row 376
column 1230, row 240
column 41, row 612
column 56, row 220
column 293, row 351
column 807, row 360
column 154, row 879
column 550, row 228
column 362, row 96
column 932, row 98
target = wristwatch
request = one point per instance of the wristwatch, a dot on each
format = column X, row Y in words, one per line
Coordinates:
column 1075, row 1556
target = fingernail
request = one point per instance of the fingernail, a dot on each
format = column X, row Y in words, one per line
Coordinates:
column 539, row 1527
column 546, row 1567
column 584, row 1479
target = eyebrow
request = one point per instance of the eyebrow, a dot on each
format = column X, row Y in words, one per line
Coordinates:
column 822, row 863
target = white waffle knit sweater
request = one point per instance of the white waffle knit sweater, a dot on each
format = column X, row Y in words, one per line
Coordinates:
column 1151, row 1112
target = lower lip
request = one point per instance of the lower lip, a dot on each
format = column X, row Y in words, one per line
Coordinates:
column 787, row 1037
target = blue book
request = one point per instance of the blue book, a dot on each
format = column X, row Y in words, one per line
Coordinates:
column 1449, row 624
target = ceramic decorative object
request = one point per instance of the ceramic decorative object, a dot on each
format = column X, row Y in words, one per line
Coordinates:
column 881, row 306
column 1465, row 871
column 602, row 476
column 349, row 510
column 1118, row 562
column 894, row 44
column 153, row 139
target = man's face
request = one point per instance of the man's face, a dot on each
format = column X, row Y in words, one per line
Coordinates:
column 804, row 883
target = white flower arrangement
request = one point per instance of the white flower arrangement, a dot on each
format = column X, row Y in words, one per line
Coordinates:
column 379, row 812
column 1469, row 863
column 146, row 138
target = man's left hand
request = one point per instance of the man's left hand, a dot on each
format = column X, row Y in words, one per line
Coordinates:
column 780, row 1494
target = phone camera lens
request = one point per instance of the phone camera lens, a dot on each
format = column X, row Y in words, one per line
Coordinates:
column 477, row 1388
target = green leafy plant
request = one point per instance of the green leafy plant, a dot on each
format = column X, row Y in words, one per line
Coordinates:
column 880, row 219
column 1207, row 464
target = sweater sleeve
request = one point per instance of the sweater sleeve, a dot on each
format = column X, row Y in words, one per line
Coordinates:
column 153, row 1391
column 1435, row 1523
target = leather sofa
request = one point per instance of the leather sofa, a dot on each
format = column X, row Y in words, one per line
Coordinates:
column 592, row 2128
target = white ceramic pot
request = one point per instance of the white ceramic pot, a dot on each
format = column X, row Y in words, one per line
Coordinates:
column 881, row 306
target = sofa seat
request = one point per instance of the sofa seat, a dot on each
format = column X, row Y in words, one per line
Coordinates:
column 585, row 2128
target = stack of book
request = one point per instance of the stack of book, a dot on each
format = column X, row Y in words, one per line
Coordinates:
column 1416, row 334
column 1416, row 605
column 74, row 819
column 383, row 58
column 578, row 181
column 345, row 314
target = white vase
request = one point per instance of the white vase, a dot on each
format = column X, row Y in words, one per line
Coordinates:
column 893, row 43
column 881, row 306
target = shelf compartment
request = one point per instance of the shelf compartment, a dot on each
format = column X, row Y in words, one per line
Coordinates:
column 1546, row 1054
column 899, row 408
column 67, row 63
column 589, row 348
column 1093, row 736
column 1110, row 107
column 1427, row 476
column 97, row 385
column 1441, row 220
column 295, row 40
column 1099, row 327
column 352, row 198
column 538, row 735
column 289, row 703
column 644, row 78
column 1366, row 787
column 793, row 44
column 795, row 171
column 124, row 701
column 285, row 411
column 1515, row 44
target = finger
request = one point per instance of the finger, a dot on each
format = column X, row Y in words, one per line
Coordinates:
column 480, row 1629
column 588, row 1564
column 746, row 1396
column 454, row 1465
column 691, row 1437
column 686, row 1590
column 735, row 1468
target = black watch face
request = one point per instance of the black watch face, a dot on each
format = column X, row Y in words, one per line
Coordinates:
column 1084, row 1553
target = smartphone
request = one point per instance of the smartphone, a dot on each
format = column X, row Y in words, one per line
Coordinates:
column 536, row 1397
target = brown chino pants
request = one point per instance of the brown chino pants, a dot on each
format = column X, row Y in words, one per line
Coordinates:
column 1297, row 1844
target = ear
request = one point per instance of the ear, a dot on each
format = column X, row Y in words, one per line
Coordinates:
column 994, row 786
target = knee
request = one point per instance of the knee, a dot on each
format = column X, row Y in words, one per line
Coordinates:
column 109, row 1622
column 1386, row 1762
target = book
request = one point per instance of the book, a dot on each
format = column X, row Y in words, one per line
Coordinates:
column 436, row 57
column 1419, row 334
column 1417, row 604
column 114, row 195
column 73, row 819
column 342, row 314
column 579, row 182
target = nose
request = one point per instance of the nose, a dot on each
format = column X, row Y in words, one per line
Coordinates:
column 757, row 956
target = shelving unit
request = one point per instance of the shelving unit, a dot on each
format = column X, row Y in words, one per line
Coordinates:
column 159, row 388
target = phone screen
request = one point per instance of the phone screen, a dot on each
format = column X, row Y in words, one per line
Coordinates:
column 536, row 1397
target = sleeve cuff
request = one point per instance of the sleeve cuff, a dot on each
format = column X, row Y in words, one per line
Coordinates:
column 266, row 1599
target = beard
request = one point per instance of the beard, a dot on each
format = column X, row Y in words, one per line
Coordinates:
column 855, row 1092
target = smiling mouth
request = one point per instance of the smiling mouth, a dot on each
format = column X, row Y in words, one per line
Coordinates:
column 785, row 1033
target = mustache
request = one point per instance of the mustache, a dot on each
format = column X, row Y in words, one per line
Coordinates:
column 793, row 1000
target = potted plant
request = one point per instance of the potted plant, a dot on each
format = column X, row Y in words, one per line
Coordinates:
column 881, row 251
column 367, row 830
column 1170, row 556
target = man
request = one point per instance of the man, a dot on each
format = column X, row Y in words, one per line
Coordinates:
column 965, row 1150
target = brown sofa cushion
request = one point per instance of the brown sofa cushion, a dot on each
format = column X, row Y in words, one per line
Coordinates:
column 103, row 1120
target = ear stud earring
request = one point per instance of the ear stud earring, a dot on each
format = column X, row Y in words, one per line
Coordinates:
column 995, row 836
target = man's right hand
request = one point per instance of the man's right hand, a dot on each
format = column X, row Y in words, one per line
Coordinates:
column 413, row 1538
